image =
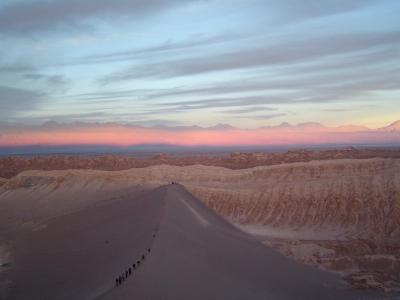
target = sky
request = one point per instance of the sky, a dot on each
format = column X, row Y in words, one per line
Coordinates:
column 247, row 63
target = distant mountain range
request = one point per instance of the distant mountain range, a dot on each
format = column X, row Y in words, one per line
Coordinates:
column 113, row 137
column 394, row 127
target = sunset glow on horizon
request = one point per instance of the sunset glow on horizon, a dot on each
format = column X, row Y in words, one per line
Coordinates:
column 123, row 136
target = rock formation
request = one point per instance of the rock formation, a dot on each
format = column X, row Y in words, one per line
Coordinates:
column 3, row 181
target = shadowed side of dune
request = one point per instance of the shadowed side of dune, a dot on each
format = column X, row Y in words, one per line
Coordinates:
column 80, row 255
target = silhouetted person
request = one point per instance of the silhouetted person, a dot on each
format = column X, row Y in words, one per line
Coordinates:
column 138, row 262
column 126, row 274
column 130, row 271
column 143, row 257
column 116, row 282
column 133, row 266
column 148, row 250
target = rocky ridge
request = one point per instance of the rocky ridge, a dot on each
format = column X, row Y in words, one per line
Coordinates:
column 13, row 165
column 3, row 181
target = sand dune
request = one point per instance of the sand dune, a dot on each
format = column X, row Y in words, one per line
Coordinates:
column 198, row 255
column 195, row 254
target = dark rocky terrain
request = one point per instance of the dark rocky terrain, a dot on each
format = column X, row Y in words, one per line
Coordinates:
column 12, row 165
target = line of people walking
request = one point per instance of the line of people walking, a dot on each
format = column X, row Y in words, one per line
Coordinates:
column 129, row 271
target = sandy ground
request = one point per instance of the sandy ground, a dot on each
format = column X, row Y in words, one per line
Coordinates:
column 269, row 232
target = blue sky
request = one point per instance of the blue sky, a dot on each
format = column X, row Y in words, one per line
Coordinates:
column 158, row 62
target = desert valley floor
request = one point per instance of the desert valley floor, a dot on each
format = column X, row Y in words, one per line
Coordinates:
column 308, row 230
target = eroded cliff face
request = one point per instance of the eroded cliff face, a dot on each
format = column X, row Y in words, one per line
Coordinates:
column 3, row 181
column 355, row 198
column 331, row 207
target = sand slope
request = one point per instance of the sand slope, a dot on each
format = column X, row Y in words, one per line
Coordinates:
column 79, row 255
